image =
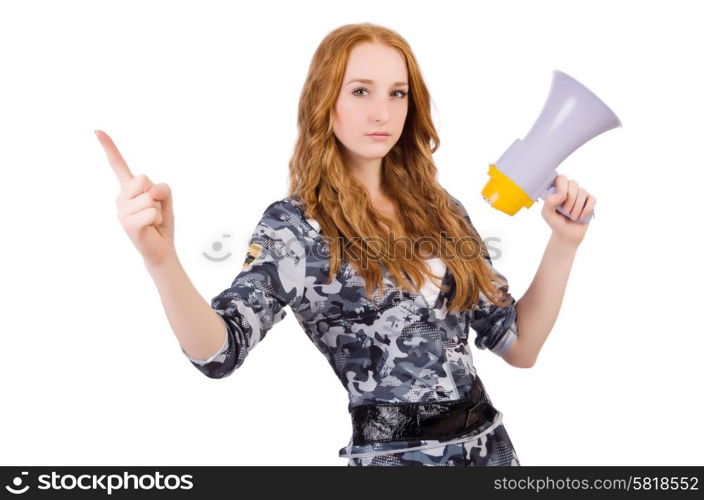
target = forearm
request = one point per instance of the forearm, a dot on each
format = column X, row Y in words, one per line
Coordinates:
column 196, row 325
column 537, row 310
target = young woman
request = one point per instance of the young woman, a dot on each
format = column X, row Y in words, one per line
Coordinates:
column 381, row 266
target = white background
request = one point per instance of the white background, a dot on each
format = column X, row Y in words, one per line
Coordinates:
column 203, row 95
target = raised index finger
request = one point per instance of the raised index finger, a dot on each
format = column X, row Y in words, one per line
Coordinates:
column 118, row 163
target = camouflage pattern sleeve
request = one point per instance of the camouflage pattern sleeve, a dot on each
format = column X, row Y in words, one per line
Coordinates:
column 272, row 277
column 496, row 327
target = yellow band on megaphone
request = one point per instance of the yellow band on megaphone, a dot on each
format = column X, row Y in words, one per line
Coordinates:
column 504, row 194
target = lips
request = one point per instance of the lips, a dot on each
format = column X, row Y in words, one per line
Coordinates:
column 378, row 134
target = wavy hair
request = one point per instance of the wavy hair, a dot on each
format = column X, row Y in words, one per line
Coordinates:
column 428, row 215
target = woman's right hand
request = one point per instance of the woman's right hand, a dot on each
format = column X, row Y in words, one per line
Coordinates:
column 144, row 209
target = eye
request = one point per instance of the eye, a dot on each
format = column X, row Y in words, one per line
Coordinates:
column 403, row 94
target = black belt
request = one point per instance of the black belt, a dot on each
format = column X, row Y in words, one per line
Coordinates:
column 382, row 422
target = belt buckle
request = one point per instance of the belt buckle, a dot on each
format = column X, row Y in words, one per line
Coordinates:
column 482, row 408
column 471, row 416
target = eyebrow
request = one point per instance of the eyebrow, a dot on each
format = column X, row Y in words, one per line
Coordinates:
column 371, row 82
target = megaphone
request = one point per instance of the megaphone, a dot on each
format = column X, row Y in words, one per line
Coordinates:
column 571, row 116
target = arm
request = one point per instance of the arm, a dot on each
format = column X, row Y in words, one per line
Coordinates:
column 217, row 337
column 537, row 309
column 196, row 325
column 272, row 277
column 517, row 332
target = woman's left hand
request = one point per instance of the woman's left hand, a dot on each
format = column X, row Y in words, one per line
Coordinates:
column 576, row 201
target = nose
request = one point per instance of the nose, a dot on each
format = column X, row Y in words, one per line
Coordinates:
column 380, row 111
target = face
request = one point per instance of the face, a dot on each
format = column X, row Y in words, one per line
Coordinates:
column 380, row 103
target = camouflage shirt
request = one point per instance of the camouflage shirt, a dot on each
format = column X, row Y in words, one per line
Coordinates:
column 401, row 349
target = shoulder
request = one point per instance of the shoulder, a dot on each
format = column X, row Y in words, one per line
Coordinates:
column 459, row 207
column 452, row 199
column 287, row 216
column 288, row 204
column 283, row 209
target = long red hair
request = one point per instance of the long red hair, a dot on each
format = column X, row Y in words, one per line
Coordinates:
column 342, row 205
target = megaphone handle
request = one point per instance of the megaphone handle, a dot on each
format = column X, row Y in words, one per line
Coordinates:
column 552, row 190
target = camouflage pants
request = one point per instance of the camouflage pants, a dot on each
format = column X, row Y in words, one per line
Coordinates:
column 494, row 448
